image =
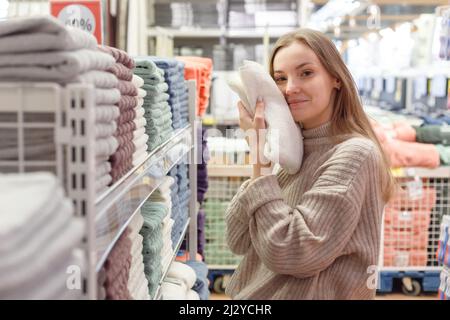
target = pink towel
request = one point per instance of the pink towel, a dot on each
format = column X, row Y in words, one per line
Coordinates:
column 125, row 138
column 127, row 88
column 120, row 56
column 121, row 72
column 124, row 128
column 127, row 102
column 126, row 116
column 125, row 152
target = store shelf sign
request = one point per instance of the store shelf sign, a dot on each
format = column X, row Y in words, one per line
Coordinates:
column 83, row 14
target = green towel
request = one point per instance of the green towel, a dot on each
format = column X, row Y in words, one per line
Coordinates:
column 146, row 66
column 155, row 89
column 433, row 134
column 155, row 98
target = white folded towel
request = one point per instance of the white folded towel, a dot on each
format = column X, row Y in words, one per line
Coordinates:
column 42, row 33
column 100, row 79
column 183, row 272
column 141, row 142
column 107, row 96
column 140, row 112
column 141, row 93
column 105, row 130
column 137, row 81
column 102, row 183
column 136, row 222
column 140, row 102
column 256, row 82
column 138, row 133
column 102, row 169
column 173, row 289
column 140, row 123
column 105, row 113
column 106, row 146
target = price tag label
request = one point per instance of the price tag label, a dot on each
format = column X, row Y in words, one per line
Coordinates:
column 83, row 14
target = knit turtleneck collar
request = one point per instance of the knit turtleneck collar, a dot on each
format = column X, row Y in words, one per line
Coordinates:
column 317, row 137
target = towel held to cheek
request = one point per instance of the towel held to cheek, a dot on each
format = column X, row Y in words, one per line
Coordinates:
column 255, row 81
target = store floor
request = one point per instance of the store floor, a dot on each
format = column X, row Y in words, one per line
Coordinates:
column 391, row 296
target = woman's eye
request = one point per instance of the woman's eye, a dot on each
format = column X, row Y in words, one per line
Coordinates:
column 280, row 79
column 306, row 73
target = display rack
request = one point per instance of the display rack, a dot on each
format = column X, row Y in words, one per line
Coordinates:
column 107, row 215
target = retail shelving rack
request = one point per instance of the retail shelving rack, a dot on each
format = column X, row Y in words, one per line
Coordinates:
column 69, row 112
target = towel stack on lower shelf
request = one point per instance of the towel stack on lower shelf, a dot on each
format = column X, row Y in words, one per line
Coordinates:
column 157, row 110
column 137, row 282
column 43, row 49
column 113, row 278
column 179, row 282
column 180, row 200
column 153, row 213
column 38, row 238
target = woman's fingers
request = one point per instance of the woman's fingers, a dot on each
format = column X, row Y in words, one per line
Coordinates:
column 259, row 114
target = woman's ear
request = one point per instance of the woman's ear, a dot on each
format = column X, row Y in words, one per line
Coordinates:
column 337, row 84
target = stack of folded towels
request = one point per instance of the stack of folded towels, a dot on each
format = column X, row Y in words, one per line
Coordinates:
column 176, row 209
column 43, row 49
column 184, row 192
column 157, row 109
column 200, row 70
column 140, row 138
column 137, row 282
column 153, row 213
column 178, row 92
column 38, row 238
column 113, row 278
column 127, row 133
column 179, row 282
column 167, row 223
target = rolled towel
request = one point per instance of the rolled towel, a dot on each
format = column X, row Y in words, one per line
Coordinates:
column 127, row 88
column 119, row 56
column 256, row 82
column 107, row 96
column 106, row 147
column 102, row 169
column 183, row 272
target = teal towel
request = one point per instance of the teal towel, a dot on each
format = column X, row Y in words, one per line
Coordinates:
column 155, row 89
column 155, row 98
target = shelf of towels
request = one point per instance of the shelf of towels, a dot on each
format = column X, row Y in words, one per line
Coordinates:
column 115, row 208
column 166, row 268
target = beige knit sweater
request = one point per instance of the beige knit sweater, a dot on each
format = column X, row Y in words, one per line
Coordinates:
column 312, row 235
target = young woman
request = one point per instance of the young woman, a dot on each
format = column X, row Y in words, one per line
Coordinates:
column 314, row 234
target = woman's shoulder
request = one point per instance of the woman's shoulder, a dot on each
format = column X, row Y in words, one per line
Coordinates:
column 356, row 150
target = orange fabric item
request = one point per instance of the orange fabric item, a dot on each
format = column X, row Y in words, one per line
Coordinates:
column 405, row 153
column 404, row 131
column 199, row 69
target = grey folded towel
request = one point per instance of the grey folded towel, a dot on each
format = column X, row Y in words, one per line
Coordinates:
column 60, row 66
column 41, row 33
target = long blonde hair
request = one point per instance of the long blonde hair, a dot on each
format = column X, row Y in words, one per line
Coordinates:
column 348, row 116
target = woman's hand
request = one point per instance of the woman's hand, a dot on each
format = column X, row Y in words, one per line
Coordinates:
column 254, row 127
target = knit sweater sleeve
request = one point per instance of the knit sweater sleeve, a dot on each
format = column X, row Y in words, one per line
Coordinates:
column 306, row 239
column 237, row 233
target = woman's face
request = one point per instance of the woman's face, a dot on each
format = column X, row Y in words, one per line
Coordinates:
column 306, row 85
